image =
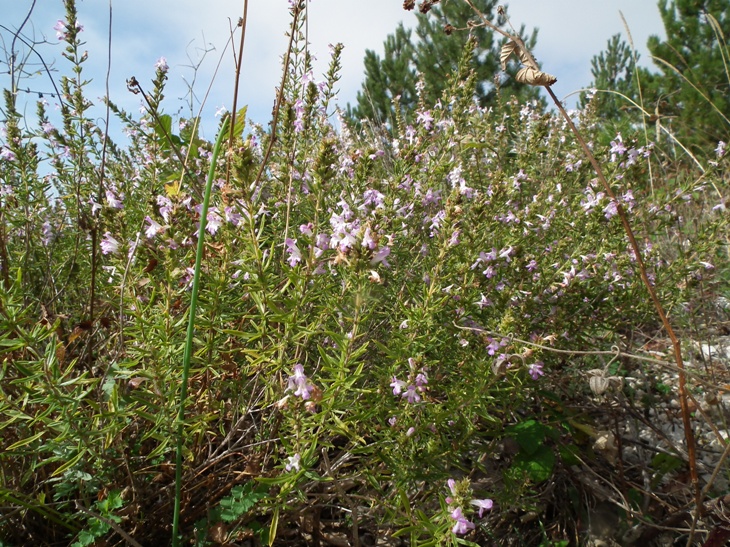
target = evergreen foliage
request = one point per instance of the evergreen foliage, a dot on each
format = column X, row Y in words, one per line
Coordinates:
column 441, row 36
column 613, row 74
column 688, row 93
column 693, row 83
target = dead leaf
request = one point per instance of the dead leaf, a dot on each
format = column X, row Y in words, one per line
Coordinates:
column 531, row 76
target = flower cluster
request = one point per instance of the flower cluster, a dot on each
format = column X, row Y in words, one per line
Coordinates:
column 411, row 391
column 460, row 492
column 61, row 28
column 351, row 229
column 299, row 383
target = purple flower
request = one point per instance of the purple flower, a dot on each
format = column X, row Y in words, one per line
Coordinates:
column 454, row 240
column 367, row 239
column 372, row 199
column 214, row 221
column 610, row 210
column 153, row 229
column 94, row 206
column 294, row 463
column 161, row 65
column 60, row 28
column 397, row 385
column 436, row 221
column 113, row 201
column 299, row 112
column 462, row 526
column 720, row 150
column 617, row 147
column 7, row 154
column 294, row 252
column 432, row 196
column 233, row 216
column 381, row 256
column 109, row 245
column 299, row 383
column 48, row 234
column 165, row 207
column 484, row 302
column 425, row 119
column 411, row 395
column 535, row 370
column 483, row 505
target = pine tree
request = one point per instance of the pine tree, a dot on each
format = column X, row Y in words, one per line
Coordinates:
column 689, row 94
column 613, row 76
column 434, row 54
column 693, row 86
column 392, row 76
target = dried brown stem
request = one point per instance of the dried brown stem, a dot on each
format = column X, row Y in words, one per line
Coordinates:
column 676, row 345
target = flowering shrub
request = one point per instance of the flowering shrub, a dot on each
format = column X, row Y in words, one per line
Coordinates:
column 423, row 277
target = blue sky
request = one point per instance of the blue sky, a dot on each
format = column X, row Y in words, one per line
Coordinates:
column 570, row 33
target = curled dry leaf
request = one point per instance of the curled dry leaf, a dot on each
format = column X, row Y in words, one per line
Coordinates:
column 531, row 76
column 507, row 50
column 527, row 74
column 513, row 47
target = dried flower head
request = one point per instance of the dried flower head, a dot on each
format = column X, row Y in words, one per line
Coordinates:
column 449, row 29
column 408, row 5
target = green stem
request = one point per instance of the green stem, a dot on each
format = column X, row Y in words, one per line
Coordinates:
column 191, row 330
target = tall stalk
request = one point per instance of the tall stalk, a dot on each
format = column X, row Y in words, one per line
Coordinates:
column 191, row 331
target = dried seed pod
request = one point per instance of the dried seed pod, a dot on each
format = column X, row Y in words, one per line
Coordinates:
column 531, row 76
column 408, row 5
column 598, row 384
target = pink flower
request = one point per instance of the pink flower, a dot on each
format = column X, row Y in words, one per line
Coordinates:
column 462, row 525
column 109, row 245
column 483, row 505
column 535, row 370
column 161, row 65
column 153, row 229
column 295, row 255
column 299, row 383
column 397, row 386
